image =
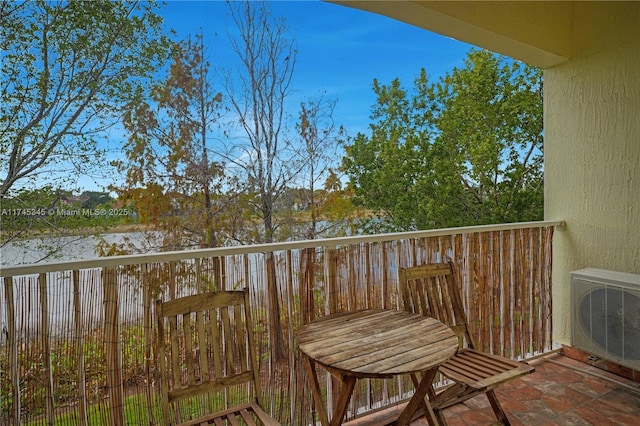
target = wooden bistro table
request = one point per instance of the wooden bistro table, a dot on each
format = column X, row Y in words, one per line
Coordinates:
column 375, row 344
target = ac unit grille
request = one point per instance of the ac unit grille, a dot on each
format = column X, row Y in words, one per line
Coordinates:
column 606, row 315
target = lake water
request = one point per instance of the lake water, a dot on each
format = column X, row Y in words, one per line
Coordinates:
column 63, row 248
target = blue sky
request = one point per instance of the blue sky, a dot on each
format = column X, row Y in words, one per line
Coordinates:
column 340, row 50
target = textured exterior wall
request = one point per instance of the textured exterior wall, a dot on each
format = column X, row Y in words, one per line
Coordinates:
column 592, row 166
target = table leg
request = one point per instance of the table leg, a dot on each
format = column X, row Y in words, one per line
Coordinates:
column 348, row 383
column 340, row 410
column 418, row 399
column 416, row 382
column 310, row 366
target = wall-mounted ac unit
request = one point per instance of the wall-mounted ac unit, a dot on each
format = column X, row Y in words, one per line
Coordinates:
column 606, row 315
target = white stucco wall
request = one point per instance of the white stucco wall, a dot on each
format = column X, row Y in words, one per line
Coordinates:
column 592, row 167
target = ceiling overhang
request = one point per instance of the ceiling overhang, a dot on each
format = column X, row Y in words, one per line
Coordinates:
column 536, row 32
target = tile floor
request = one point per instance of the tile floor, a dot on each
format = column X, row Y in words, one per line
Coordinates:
column 561, row 392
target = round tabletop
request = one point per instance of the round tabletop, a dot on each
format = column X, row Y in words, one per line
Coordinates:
column 377, row 343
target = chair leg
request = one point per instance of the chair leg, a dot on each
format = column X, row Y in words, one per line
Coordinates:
column 497, row 408
column 431, row 394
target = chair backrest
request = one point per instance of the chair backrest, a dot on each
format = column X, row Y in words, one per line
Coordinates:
column 431, row 290
column 206, row 350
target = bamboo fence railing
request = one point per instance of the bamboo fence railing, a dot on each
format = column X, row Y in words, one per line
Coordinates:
column 78, row 347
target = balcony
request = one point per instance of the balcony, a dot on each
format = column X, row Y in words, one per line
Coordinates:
column 77, row 345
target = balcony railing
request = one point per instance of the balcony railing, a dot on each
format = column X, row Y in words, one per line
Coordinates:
column 77, row 343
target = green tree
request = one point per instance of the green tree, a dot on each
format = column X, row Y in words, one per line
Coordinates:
column 388, row 170
column 93, row 199
column 464, row 151
column 168, row 156
column 49, row 221
column 490, row 122
column 67, row 70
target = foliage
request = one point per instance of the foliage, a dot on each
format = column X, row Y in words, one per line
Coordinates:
column 67, row 70
column 464, row 151
column 170, row 178
column 68, row 67
column 94, row 199
column 53, row 216
column 322, row 194
column 64, row 370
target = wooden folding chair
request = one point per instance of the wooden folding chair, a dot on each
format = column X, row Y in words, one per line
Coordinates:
column 208, row 367
column 431, row 290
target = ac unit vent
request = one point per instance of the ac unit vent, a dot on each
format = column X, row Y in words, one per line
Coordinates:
column 606, row 315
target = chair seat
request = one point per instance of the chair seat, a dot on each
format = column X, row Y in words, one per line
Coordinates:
column 242, row 414
column 480, row 370
column 431, row 290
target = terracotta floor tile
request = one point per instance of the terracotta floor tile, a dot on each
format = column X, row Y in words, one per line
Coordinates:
column 575, row 397
column 586, row 390
column 454, row 421
column 623, row 400
column 599, row 385
column 548, row 423
column 527, row 418
column 594, row 416
column 456, row 410
column 550, row 388
column 561, row 392
column 542, row 410
column 558, row 403
column 516, row 422
column 477, row 417
column 526, row 394
column 618, row 417
column 571, row 419
column 510, row 405
column 568, row 378
column 478, row 403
